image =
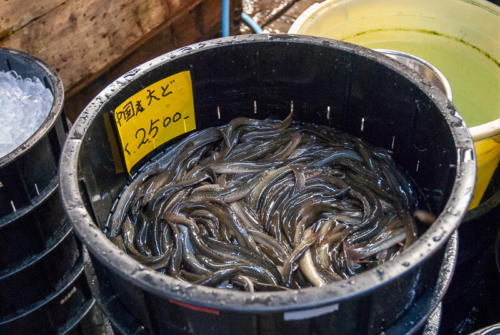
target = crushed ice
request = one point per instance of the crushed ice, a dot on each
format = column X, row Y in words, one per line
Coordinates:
column 24, row 105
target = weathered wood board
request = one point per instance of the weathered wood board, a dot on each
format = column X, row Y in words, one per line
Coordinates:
column 91, row 42
column 200, row 23
column 80, row 38
column 15, row 14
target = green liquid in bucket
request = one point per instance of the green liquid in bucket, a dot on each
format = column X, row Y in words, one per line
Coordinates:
column 474, row 75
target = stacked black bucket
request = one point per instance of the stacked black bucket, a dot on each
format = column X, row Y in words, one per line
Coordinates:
column 43, row 288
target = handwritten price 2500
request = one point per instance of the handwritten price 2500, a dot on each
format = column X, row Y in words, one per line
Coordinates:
column 144, row 136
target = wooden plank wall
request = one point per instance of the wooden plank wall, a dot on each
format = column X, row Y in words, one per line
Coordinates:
column 91, row 42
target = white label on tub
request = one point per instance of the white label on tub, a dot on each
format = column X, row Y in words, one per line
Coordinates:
column 310, row 313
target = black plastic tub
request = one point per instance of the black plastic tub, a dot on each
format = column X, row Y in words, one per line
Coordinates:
column 29, row 288
column 418, row 316
column 328, row 82
column 43, row 289
column 30, row 168
column 414, row 320
column 32, row 231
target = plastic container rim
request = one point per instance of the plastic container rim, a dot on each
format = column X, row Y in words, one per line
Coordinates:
column 439, row 74
column 478, row 133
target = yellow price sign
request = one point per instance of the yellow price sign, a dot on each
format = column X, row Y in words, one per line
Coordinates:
column 155, row 115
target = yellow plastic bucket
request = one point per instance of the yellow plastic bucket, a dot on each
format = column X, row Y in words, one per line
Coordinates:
column 459, row 37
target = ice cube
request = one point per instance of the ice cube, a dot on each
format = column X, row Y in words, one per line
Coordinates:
column 24, row 104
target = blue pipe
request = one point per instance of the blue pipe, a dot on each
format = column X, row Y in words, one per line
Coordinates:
column 248, row 20
column 225, row 18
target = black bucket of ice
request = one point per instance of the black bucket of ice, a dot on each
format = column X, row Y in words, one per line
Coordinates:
column 30, row 167
column 333, row 83
column 43, row 287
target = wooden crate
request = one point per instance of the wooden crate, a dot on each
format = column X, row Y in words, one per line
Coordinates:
column 91, row 42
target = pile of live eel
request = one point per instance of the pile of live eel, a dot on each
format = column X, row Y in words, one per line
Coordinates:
column 262, row 205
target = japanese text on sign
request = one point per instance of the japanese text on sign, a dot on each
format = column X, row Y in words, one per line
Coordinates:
column 155, row 115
